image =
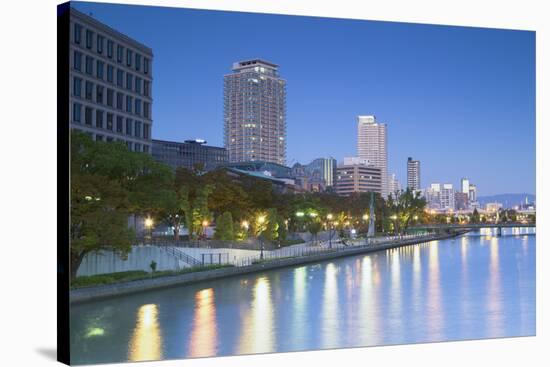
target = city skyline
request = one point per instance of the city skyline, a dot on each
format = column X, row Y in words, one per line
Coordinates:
column 449, row 110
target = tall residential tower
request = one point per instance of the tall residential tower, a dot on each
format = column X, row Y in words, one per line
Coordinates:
column 413, row 174
column 255, row 112
column 371, row 145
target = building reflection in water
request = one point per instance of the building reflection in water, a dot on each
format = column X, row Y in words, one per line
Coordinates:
column 146, row 342
column 435, row 307
column 417, row 280
column 494, row 294
column 257, row 331
column 204, row 335
column 330, row 314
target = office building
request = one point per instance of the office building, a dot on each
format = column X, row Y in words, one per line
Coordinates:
column 461, row 201
column 325, row 168
column 358, row 178
column 413, row 174
column 263, row 167
column 433, row 196
column 110, row 84
column 255, row 113
column 372, row 145
column 472, row 193
column 189, row 154
column 465, row 186
column 447, row 197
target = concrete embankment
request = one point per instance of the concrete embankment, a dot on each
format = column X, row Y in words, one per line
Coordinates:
column 120, row 289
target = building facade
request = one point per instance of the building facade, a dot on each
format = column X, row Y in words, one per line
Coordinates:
column 263, row 167
column 323, row 167
column 189, row 154
column 413, row 174
column 461, row 201
column 358, row 178
column 372, row 145
column 111, row 84
column 447, row 198
column 255, row 113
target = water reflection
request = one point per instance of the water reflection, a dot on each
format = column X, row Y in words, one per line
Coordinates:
column 435, row 311
column 494, row 296
column 330, row 313
column 299, row 321
column 204, row 335
column 257, row 334
column 369, row 318
column 396, row 316
column 146, row 342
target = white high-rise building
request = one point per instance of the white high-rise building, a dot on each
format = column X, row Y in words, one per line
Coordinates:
column 372, row 145
column 413, row 174
column 394, row 185
column 465, row 186
column 447, row 197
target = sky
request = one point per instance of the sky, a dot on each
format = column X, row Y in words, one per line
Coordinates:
column 459, row 99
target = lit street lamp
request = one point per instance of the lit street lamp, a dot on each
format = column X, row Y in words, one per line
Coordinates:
column 261, row 221
column 329, row 218
column 149, row 227
column 204, row 225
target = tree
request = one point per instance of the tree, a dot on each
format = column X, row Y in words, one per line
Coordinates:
column 314, row 226
column 475, row 216
column 271, row 231
column 224, row 227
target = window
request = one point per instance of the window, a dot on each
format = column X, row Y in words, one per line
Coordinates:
column 138, row 85
column 110, row 121
column 146, row 88
column 89, row 65
column 137, row 107
column 119, row 77
column 128, row 104
column 129, row 81
column 98, row 137
column 129, row 57
column 137, row 129
column 147, row 110
column 99, row 119
column 88, row 115
column 119, row 97
column 128, row 126
column 77, row 109
column 77, row 33
column 138, row 61
column 146, row 65
column 146, row 131
column 110, row 97
column 110, row 71
column 89, row 90
column 119, row 124
column 77, row 87
column 109, row 139
column 89, row 38
column 99, row 69
column 137, row 147
column 129, row 145
column 77, row 61
column 110, row 49
column 119, row 51
column 100, row 40
column 99, row 94
column 146, row 149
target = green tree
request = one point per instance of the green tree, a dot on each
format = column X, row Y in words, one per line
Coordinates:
column 314, row 226
column 224, row 227
column 271, row 231
column 475, row 216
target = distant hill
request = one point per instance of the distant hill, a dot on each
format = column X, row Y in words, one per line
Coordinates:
column 508, row 200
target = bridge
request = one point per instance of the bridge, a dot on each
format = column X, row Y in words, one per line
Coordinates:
column 472, row 226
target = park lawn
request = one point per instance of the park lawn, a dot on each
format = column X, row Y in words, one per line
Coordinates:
column 128, row 276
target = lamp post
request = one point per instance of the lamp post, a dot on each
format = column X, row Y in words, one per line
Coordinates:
column 204, row 225
column 394, row 218
column 261, row 221
column 149, row 226
column 366, row 219
column 329, row 218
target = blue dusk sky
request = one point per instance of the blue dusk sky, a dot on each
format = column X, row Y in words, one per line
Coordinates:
column 459, row 99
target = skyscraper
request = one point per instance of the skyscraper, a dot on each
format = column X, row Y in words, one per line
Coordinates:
column 371, row 145
column 110, row 84
column 255, row 112
column 394, row 186
column 465, row 186
column 413, row 174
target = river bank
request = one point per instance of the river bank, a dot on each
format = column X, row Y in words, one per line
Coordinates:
column 119, row 289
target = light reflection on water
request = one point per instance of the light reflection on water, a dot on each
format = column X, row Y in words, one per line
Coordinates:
column 475, row 286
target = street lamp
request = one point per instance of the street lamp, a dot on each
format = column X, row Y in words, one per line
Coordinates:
column 149, row 227
column 394, row 218
column 204, row 225
column 329, row 218
column 261, row 221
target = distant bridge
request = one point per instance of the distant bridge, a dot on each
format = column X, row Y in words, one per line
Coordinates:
column 471, row 226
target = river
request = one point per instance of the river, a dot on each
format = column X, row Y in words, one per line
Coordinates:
column 474, row 286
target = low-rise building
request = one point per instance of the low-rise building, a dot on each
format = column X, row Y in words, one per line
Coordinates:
column 190, row 154
column 358, row 177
